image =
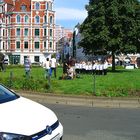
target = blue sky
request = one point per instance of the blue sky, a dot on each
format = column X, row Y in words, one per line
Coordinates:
column 70, row 12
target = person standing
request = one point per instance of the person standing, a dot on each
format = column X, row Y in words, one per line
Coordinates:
column 105, row 67
column 48, row 71
column 27, row 66
column 47, row 68
column 1, row 61
column 53, row 66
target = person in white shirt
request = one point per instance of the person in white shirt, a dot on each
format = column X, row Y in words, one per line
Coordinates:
column 70, row 72
column 105, row 67
column 53, row 66
column 47, row 68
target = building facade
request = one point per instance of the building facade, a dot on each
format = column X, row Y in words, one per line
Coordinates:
column 63, row 41
column 27, row 28
column 63, row 36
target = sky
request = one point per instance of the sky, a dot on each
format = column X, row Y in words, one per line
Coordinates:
column 70, row 12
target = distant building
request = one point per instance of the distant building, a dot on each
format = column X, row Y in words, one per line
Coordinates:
column 27, row 27
column 63, row 39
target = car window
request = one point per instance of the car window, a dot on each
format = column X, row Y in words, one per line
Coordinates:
column 6, row 94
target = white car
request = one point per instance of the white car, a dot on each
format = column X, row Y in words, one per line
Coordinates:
column 23, row 119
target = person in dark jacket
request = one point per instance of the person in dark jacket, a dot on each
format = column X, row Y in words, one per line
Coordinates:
column 27, row 65
column 1, row 61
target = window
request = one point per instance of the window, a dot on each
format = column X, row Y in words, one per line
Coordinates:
column 51, row 19
column 36, row 32
column 36, row 58
column 26, row 19
column 9, row 32
column 45, row 45
column 50, row 7
column 0, row 9
column 51, row 32
column 18, row 44
column 9, row 19
column 23, row 7
column 3, row 45
column 3, row 32
column 18, row 32
column 36, row 45
column 45, row 19
column 45, row 32
column 50, row 44
column 37, row 6
column 47, row 5
column 26, row 45
column 18, row 18
column 37, row 19
column 26, row 31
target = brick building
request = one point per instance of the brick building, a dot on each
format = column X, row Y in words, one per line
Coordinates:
column 27, row 27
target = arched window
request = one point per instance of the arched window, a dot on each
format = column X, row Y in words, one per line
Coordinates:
column 45, row 19
column 26, row 19
column 18, row 18
column 37, row 6
column 47, row 5
column 51, row 19
column 37, row 19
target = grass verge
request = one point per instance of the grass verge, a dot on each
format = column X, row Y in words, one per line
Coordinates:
column 120, row 83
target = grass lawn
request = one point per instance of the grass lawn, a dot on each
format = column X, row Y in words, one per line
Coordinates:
column 121, row 83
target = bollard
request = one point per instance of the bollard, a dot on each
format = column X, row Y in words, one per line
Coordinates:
column 49, row 80
column 10, row 79
column 94, row 84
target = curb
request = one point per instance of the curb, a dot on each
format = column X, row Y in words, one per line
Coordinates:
column 88, row 101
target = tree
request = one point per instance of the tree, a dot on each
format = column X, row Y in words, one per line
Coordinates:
column 112, row 26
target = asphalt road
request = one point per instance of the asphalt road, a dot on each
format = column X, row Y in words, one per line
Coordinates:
column 89, row 123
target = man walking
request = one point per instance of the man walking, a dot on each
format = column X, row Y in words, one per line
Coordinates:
column 27, row 65
column 53, row 65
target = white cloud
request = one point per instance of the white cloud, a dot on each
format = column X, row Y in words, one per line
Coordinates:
column 70, row 14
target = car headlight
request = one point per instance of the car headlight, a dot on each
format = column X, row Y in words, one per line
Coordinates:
column 10, row 136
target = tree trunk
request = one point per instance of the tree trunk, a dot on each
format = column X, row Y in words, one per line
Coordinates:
column 113, row 61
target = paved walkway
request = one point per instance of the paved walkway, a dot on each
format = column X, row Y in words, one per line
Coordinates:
column 89, row 101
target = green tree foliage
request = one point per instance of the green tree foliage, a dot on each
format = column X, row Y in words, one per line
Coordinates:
column 112, row 26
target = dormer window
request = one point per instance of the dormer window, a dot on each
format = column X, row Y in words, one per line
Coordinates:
column 47, row 5
column 50, row 8
column 37, row 6
column 23, row 7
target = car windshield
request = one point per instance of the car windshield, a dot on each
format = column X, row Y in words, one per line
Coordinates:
column 6, row 95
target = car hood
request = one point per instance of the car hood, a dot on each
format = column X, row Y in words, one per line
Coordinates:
column 23, row 116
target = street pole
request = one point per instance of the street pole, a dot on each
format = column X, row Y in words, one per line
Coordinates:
column 74, row 47
column 94, row 84
column 94, row 75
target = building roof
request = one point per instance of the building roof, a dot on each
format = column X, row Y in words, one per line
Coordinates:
column 8, row 2
column 15, row 5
